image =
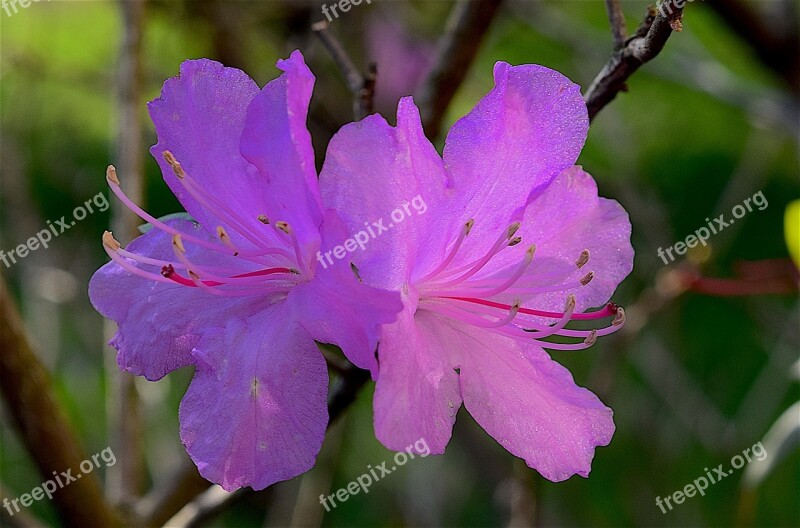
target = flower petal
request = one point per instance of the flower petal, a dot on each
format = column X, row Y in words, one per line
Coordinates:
column 255, row 412
column 531, row 126
column 277, row 142
column 370, row 169
column 531, row 405
column 337, row 308
column 158, row 324
column 199, row 117
column 417, row 391
column 568, row 217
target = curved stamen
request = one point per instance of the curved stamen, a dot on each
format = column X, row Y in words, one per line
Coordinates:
column 456, row 246
column 475, row 267
column 609, row 310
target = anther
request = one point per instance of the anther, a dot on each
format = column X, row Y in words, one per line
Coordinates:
column 263, row 219
column 176, row 167
column 110, row 242
column 582, row 259
column 468, row 226
column 514, row 241
column 284, row 226
column 177, row 243
column 586, row 279
column 513, row 228
column 590, row 340
column 619, row 319
column 111, row 175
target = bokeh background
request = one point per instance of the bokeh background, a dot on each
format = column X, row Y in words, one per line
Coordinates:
column 707, row 363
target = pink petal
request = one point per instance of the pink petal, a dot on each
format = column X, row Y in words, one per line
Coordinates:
column 531, row 405
column 372, row 168
column 200, row 117
column 417, row 392
column 520, row 136
column 277, row 142
column 338, row 308
column 255, row 412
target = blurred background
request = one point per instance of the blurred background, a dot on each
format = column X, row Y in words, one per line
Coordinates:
column 706, row 367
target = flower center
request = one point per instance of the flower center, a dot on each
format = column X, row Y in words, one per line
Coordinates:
column 460, row 293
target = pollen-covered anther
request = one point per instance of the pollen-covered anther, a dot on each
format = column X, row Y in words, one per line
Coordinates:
column 590, row 340
column 111, row 175
column 468, row 226
column 284, row 226
column 586, row 279
column 514, row 241
column 110, row 242
column 177, row 243
column 263, row 219
column 512, row 229
column 176, row 166
column 569, row 307
column 582, row 259
column 619, row 319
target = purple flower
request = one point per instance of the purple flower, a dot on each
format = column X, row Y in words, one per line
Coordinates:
column 237, row 292
column 480, row 299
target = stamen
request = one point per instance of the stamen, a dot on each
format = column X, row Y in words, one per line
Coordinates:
column 475, row 267
column 286, row 228
column 609, row 310
column 582, row 259
column 456, row 246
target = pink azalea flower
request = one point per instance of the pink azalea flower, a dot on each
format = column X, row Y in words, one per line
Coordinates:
column 237, row 292
column 514, row 245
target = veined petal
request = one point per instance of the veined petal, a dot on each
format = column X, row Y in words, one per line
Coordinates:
column 275, row 139
column 255, row 412
column 337, row 308
column 531, row 405
column 370, row 169
column 520, row 136
column 199, row 118
column 417, row 392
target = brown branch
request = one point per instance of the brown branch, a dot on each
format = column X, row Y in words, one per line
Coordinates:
column 42, row 425
column 126, row 478
column 644, row 46
column 166, row 499
column 361, row 86
column 466, row 27
column 616, row 18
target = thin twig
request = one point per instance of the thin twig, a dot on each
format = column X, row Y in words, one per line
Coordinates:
column 126, row 479
column 42, row 425
column 616, row 18
column 361, row 86
column 166, row 499
column 466, row 27
column 644, row 46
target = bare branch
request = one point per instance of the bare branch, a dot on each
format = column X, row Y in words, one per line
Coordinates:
column 126, row 478
column 42, row 424
column 617, row 20
column 163, row 501
column 361, row 86
column 466, row 27
column 644, row 46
